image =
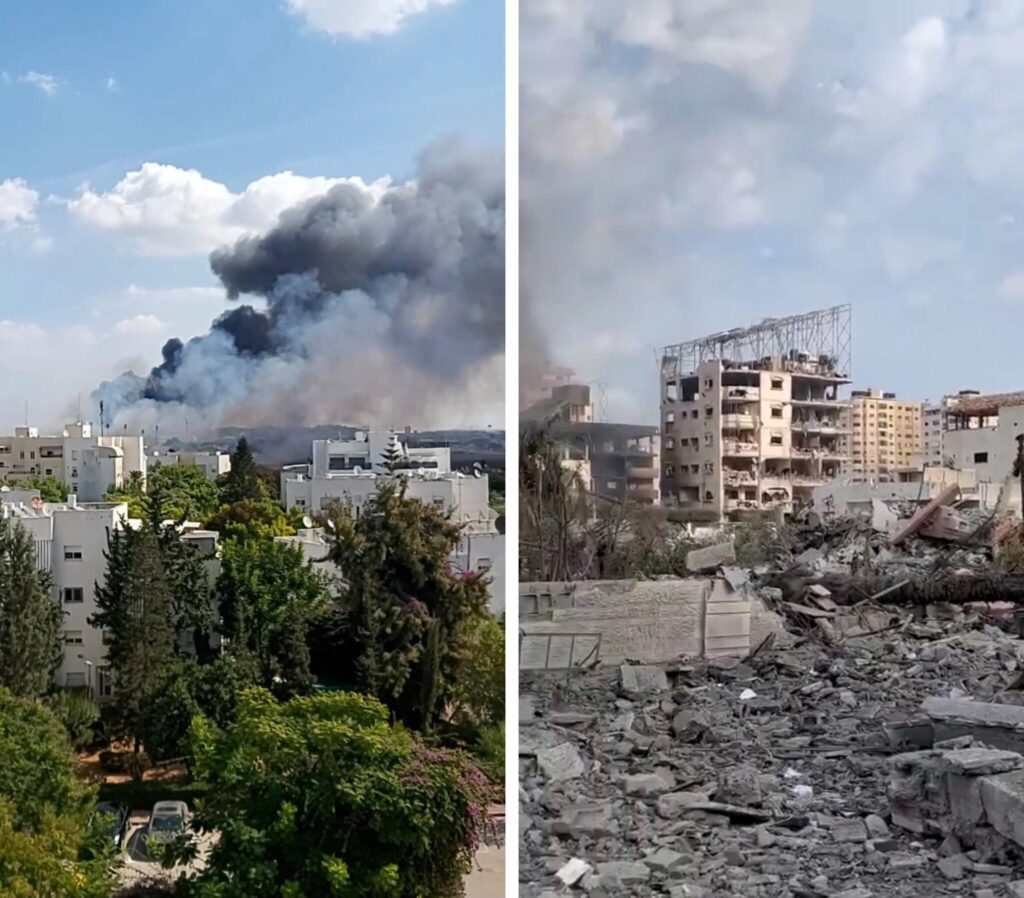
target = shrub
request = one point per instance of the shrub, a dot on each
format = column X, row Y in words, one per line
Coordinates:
column 79, row 711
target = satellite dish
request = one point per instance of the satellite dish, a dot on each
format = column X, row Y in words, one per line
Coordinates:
column 499, row 523
column 477, row 472
column 307, row 521
column 357, row 470
column 330, row 524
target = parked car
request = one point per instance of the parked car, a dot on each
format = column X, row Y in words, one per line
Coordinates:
column 119, row 815
column 167, row 821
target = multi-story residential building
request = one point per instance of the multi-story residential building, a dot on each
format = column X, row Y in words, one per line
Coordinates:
column 615, row 461
column 751, row 418
column 89, row 464
column 980, row 433
column 350, row 471
column 883, row 435
column 70, row 540
column 932, row 435
column 213, row 463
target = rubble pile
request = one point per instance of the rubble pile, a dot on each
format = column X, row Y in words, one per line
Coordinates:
column 857, row 767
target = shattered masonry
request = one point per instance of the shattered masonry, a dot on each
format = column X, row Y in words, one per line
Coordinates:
column 859, row 733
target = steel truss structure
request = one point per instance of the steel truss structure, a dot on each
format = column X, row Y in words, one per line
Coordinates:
column 826, row 332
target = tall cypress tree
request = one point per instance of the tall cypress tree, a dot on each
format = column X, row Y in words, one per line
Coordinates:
column 392, row 455
column 243, row 482
column 136, row 608
column 30, row 619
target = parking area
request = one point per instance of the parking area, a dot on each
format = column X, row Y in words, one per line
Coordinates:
column 139, row 866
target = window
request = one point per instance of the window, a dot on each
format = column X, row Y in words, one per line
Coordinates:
column 709, row 496
column 74, row 472
column 708, row 411
column 49, row 472
column 980, row 458
column 32, row 454
column 74, row 679
column 483, row 565
column 610, row 485
column 776, row 411
column 776, row 383
column 670, row 418
column 694, row 469
column 72, row 553
column 670, row 443
column 670, row 470
column 709, row 439
column 301, row 503
column 73, row 637
column 709, row 467
column 693, row 414
column 709, row 383
column 106, row 682
column 73, row 595
column 775, row 439
column 438, row 503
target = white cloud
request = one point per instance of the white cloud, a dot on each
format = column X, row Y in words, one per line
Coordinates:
column 139, row 324
column 360, row 18
column 18, row 202
column 167, row 211
column 42, row 82
column 112, row 83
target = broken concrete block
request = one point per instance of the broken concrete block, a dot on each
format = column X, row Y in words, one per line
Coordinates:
column 593, row 821
column 623, row 873
column 1003, row 798
column 711, row 557
column 646, row 785
column 977, row 761
column 877, row 827
column 560, row 763
column 850, row 831
column 573, row 871
column 689, row 725
column 995, row 725
column 952, row 867
column 642, row 679
column 664, row 859
column 965, row 803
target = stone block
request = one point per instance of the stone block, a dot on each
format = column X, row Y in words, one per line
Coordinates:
column 1003, row 798
column 560, row 763
column 643, row 679
column 711, row 557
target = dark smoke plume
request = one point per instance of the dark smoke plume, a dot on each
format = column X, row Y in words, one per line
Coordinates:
column 375, row 308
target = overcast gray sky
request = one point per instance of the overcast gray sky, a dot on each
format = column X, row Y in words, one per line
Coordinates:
column 694, row 165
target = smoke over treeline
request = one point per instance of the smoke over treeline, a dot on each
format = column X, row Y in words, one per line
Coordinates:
column 370, row 306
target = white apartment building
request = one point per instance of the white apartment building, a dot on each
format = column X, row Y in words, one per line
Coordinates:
column 212, row 463
column 70, row 541
column 749, row 429
column 87, row 463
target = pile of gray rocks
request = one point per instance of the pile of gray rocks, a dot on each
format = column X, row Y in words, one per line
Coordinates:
column 769, row 777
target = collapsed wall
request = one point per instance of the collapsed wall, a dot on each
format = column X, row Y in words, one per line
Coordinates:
column 644, row 620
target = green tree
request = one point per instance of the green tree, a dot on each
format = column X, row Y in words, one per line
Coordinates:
column 30, row 620
column 132, row 492
column 51, row 489
column 183, row 491
column 479, row 689
column 136, row 609
column 250, row 519
column 399, row 629
column 392, row 455
column 78, row 710
column 321, row 796
column 243, row 483
column 189, row 583
column 269, row 595
column 44, row 809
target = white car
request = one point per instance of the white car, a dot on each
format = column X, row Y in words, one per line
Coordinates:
column 167, row 821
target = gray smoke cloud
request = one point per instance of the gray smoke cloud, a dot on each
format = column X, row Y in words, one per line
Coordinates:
column 375, row 309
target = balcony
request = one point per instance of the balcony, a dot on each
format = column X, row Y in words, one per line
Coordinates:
column 737, row 422
column 739, row 478
column 738, row 449
column 741, row 505
column 824, row 427
column 741, row 394
column 642, row 493
column 641, row 472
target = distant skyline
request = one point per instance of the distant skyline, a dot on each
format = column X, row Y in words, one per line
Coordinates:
column 147, row 136
column 691, row 168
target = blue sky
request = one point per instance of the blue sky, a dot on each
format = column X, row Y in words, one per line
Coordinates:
column 689, row 168
column 101, row 266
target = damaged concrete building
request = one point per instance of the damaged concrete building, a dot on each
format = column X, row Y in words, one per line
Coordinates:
column 752, row 419
column 619, row 462
column 882, row 435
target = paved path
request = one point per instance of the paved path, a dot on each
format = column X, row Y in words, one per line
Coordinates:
column 488, row 880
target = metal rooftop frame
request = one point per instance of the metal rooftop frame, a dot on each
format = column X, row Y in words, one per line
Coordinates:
column 825, row 332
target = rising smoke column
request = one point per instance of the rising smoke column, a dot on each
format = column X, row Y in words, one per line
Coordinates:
column 366, row 306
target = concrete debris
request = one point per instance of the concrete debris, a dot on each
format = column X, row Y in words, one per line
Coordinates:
column 709, row 558
column 862, row 767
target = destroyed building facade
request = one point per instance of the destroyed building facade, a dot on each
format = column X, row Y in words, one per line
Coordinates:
column 882, row 435
column 618, row 462
column 751, row 418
